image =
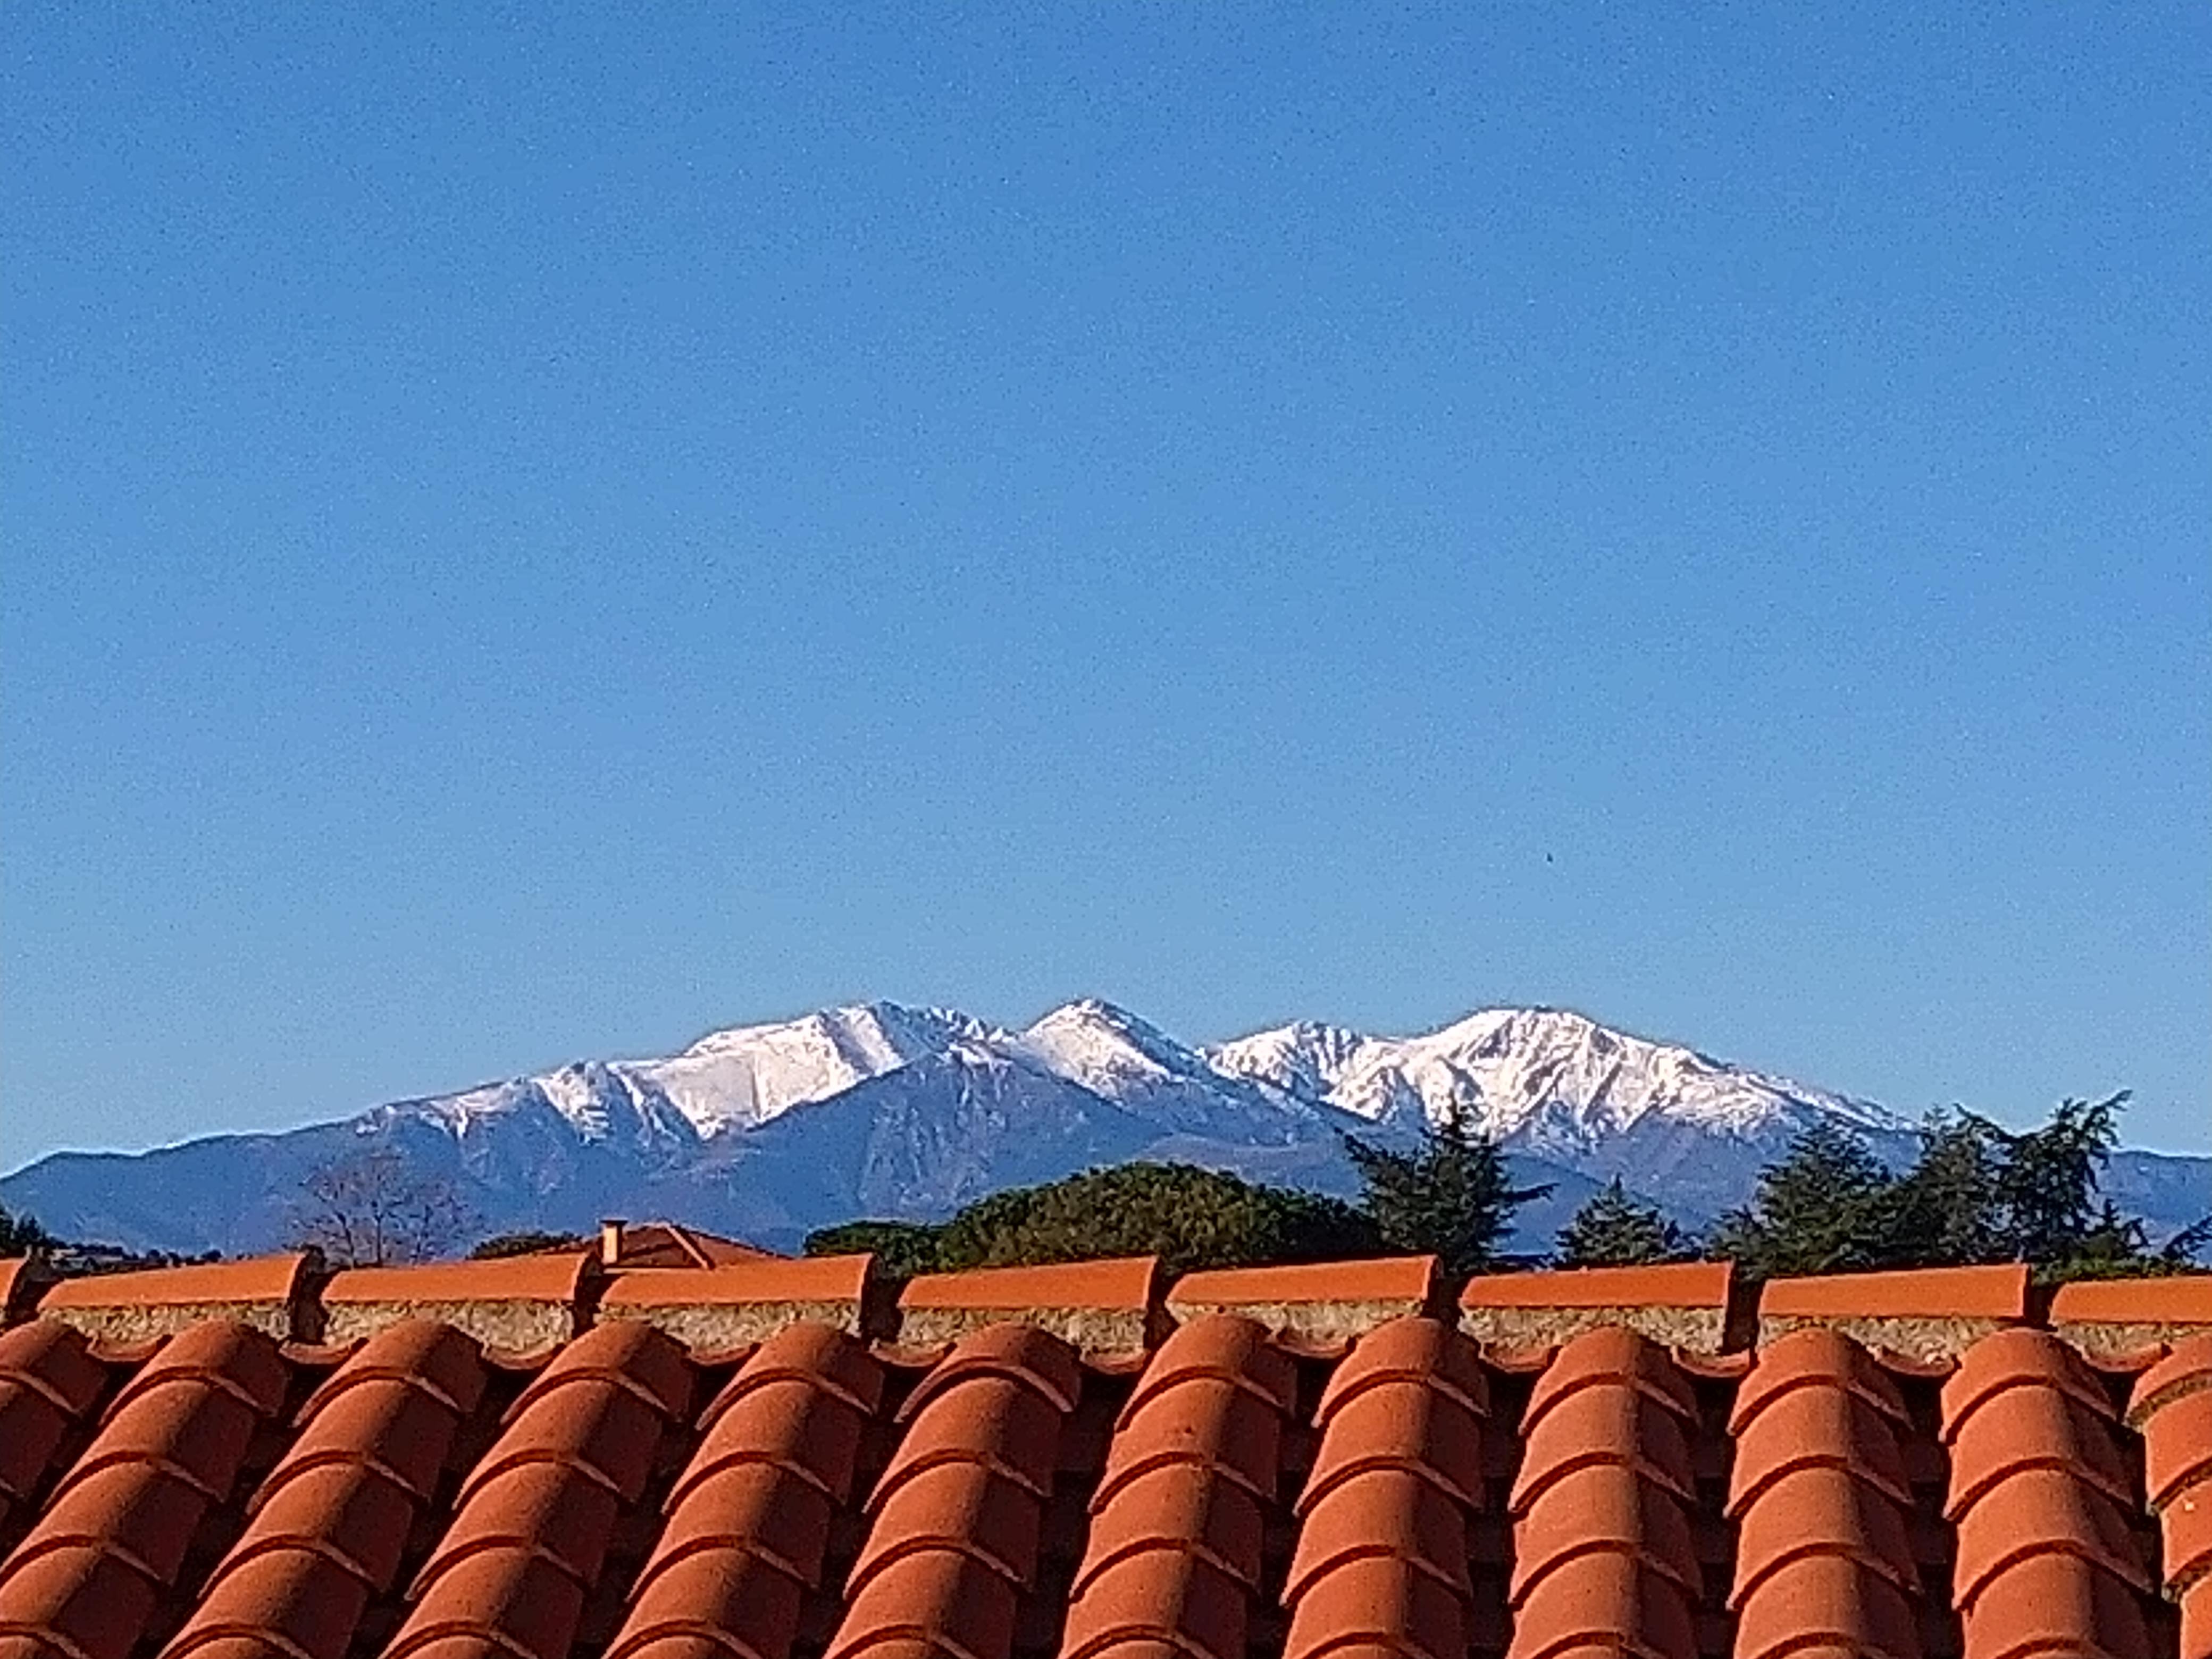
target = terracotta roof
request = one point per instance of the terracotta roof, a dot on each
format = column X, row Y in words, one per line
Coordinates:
column 1221, row 1493
column 656, row 1244
column 545, row 1278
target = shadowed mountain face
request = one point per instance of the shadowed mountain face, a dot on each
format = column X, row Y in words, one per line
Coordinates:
column 768, row 1131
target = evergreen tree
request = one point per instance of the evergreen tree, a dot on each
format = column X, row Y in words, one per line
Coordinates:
column 1821, row 1209
column 2048, row 1185
column 22, row 1235
column 902, row 1248
column 1948, row 1209
column 1611, row 1230
column 1451, row 1197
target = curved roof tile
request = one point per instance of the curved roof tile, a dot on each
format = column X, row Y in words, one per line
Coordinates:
column 1612, row 1357
column 951, row 1603
column 712, row 1604
column 1827, row 1604
column 1401, row 1424
column 1604, row 1508
column 1381, row 1601
column 1227, row 1348
column 1410, row 1350
column 1383, row 1512
column 1602, row 1422
column 2054, row 1603
column 990, row 1420
column 1167, row 1596
column 1022, row 1352
column 960, row 1506
column 1830, row 1511
column 1604, row 1602
column 1186, row 1506
column 789, row 1421
column 1202, row 1419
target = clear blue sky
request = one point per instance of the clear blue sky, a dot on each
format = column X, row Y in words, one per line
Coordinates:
column 534, row 537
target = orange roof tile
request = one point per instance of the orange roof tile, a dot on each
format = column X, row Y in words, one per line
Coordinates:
column 547, row 1278
column 1675, row 1285
column 411, row 1496
column 767, row 1279
column 19, row 1278
column 1388, row 1279
column 2181, row 1299
column 1125, row 1283
column 1999, row 1292
column 257, row 1279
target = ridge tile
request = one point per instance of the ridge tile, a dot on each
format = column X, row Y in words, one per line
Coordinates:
column 1097, row 1307
column 271, row 1293
column 722, row 1309
column 1685, row 1305
column 518, row 1305
column 1319, row 1301
column 1922, row 1313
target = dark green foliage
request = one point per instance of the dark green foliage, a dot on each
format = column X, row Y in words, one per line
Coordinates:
column 1451, row 1197
column 1613, row 1229
column 1821, row 1209
column 1977, row 1194
column 1188, row 1217
column 2048, row 1187
column 22, row 1235
column 527, row 1242
column 902, row 1248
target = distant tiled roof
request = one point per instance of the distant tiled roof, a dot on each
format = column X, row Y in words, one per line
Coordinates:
column 767, row 1460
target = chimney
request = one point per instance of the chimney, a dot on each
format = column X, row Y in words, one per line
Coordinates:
column 610, row 1242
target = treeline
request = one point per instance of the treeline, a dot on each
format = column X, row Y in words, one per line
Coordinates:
column 1975, row 1194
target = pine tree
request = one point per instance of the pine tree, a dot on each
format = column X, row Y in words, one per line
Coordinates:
column 1451, row 1197
column 2048, row 1187
column 1948, row 1210
column 1820, row 1210
column 22, row 1235
column 1611, row 1230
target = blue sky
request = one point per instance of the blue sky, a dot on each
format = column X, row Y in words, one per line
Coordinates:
column 532, row 536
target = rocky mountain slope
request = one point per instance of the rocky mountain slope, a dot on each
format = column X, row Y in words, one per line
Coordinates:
column 885, row 1110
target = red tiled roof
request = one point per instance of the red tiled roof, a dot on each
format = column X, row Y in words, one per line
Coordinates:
column 1388, row 1279
column 546, row 1278
column 1124, row 1282
column 1226, row 1493
column 257, row 1278
column 1926, row 1293
column 1686, row 1284
column 764, row 1278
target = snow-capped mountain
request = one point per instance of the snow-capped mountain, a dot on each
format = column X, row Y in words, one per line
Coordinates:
column 1541, row 1077
column 885, row 1110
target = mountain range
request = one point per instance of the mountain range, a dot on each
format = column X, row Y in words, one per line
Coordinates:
column 888, row 1110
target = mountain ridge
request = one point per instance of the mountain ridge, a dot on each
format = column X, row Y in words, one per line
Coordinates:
column 898, row 1110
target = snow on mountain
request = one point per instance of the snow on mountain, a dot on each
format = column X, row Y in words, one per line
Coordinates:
column 1544, row 1079
column 742, row 1078
column 886, row 1109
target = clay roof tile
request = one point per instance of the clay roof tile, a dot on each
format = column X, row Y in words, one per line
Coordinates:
column 1600, row 1508
column 1605, row 1357
column 2038, row 1512
column 1205, row 1420
column 53, row 1360
column 787, row 1421
column 1025, row 1354
column 2177, row 1300
column 713, row 1604
column 1816, row 1428
column 1675, row 1284
column 286, row 1601
column 993, row 1421
column 2177, row 1450
column 760, row 1278
column 2186, row 1371
column 1185, row 1506
column 1403, row 1425
column 349, row 1511
column 1615, row 1424
column 432, row 1358
column 1404, row 1278
column 510, row 1601
column 1817, row 1358
column 1996, row 1292
column 753, row 1509
column 1426, row 1351
column 2013, row 1359
column 81, row 1602
column 1227, row 1346
column 2054, row 1602
column 548, row 1278
column 2020, row 1429
column 1604, row 1603
column 206, row 1284
column 1124, row 1284
column 1826, row 1604
column 959, row 1606
column 1821, row 1510
column 219, row 1355
column 822, row 1355
column 965, row 1507
column 1384, row 1512
column 1161, row 1596
column 1378, row 1602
